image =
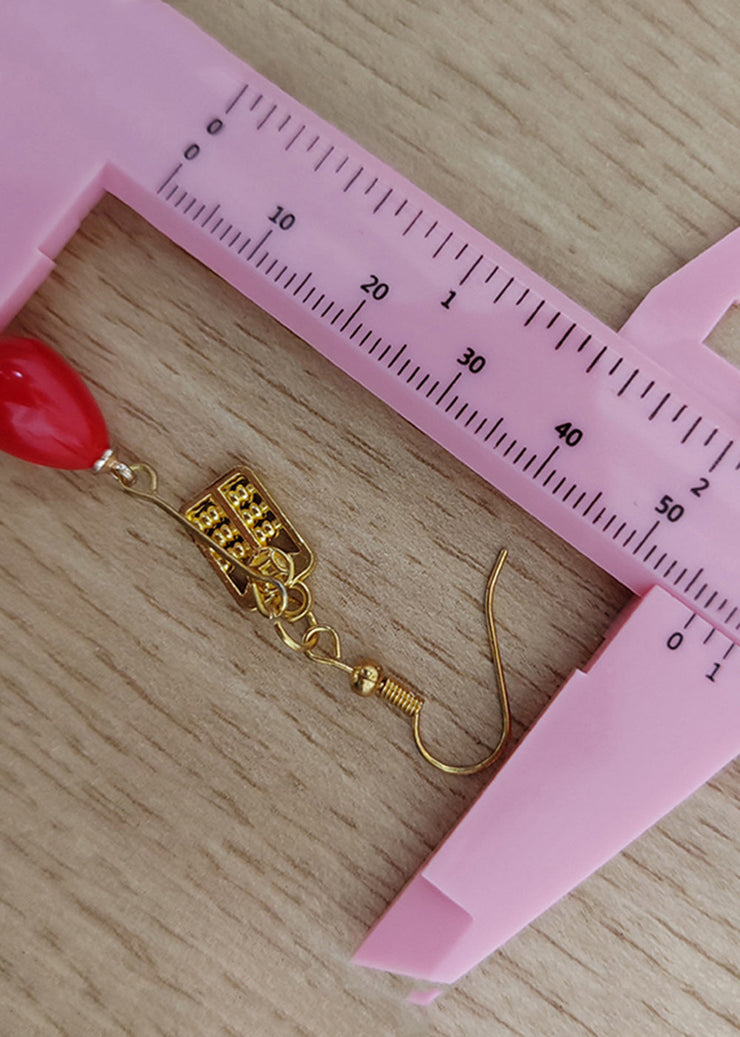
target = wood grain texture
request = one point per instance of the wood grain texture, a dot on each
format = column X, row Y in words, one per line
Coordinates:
column 198, row 829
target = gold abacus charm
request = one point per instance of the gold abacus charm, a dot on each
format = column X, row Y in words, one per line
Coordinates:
column 238, row 514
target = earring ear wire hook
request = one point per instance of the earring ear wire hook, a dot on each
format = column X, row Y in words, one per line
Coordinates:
column 500, row 682
column 368, row 679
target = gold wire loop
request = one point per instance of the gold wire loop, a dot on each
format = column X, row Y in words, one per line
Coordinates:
column 330, row 656
column 308, row 645
column 128, row 475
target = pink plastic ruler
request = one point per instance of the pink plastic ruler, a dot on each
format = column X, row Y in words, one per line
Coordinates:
column 627, row 445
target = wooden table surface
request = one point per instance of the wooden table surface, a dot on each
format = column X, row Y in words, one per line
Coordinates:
column 198, row 828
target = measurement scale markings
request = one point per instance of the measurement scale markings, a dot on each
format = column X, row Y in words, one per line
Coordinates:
column 174, row 172
column 413, row 222
column 435, row 254
column 595, row 360
column 382, row 202
column 352, row 315
column 691, row 430
column 266, row 117
column 647, row 536
column 322, row 160
column 303, row 283
column 581, row 501
column 237, row 99
column 501, row 293
column 398, row 354
column 546, row 462
column 210, row 215
column 594, row 501
column 493, row 274
column 454, row 382
column 657, row 410
column 470, row 271
column 721, row 456
column 492, row 430
column 564, row 337
column 629, row 381
column 259, row 245
column 293, row 139
column 534, row 313
column 694, row 578
column 350, row 182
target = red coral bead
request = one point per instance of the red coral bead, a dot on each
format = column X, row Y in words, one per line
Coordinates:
column 47, row 413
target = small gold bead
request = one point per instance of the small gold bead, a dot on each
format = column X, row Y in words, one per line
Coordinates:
column 366, row 678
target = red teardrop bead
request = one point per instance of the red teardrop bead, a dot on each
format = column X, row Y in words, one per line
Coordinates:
column 47, row 413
